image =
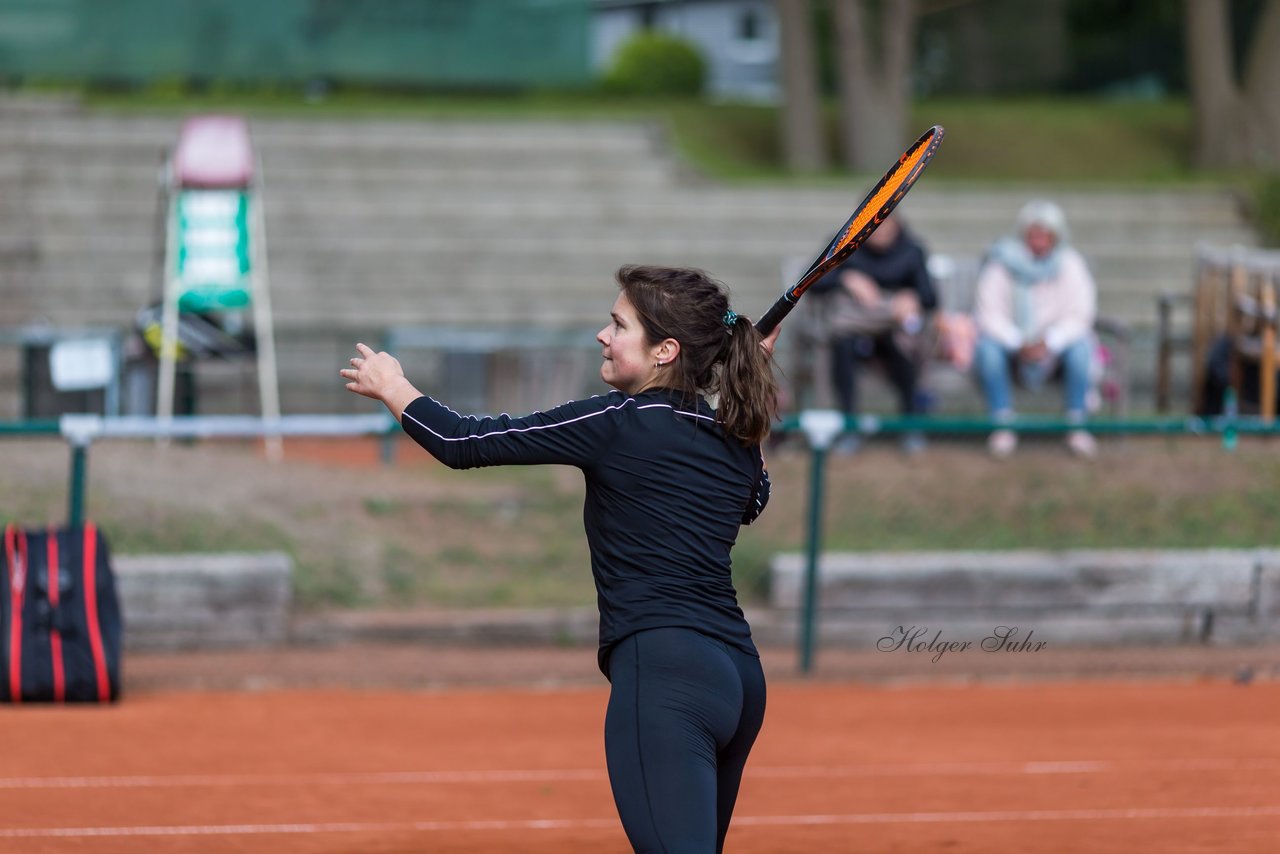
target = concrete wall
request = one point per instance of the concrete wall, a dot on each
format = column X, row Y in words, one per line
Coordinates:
column 1010, row 600
column 1085, row 597
column 204, row 601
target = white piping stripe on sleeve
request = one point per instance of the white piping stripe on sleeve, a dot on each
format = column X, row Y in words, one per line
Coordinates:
column 546, row 426
column 676, row 411
column 510, row 429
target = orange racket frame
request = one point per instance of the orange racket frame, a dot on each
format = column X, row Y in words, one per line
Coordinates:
column 875, row 208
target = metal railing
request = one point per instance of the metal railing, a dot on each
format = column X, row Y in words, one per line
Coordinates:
column 81, row 431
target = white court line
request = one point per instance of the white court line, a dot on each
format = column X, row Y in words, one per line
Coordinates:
column 1015, row 815
column 1074, row 766
column 556, row 775
column 1143, row 813
column 370, row 778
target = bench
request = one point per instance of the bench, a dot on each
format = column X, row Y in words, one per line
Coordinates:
column 956, row 391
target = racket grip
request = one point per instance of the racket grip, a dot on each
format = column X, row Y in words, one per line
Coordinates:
column 774, row 315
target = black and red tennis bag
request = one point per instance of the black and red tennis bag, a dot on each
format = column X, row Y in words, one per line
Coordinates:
column 60, row 626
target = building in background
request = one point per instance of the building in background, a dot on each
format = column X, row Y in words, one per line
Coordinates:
column 737, row 38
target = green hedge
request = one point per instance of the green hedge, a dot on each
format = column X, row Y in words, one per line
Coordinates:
column 654, row 63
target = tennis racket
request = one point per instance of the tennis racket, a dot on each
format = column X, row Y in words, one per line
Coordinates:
column 875, row 208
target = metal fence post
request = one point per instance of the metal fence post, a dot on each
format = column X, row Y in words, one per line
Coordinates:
column 75, row 501
column 1230, row 412
column 821, row 427
column 79, row 431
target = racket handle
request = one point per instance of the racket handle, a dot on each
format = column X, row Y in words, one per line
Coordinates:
column 774, row 315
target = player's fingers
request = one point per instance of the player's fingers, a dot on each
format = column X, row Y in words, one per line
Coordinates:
column 364, row 350
column 767, row 343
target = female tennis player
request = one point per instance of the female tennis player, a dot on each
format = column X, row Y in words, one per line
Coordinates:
column 669, row 481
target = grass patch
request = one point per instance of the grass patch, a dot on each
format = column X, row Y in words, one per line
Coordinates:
column 376, row 506
column 24, row 502
column 460, row 556
column 1061, row 139
column 444, row 539
column 1150, row 494
column 1267, row 208
column 401, row 575
column 1044, row 501
column 159, row 531
column 355, row 103
column 1094, row 141
column 331, row 583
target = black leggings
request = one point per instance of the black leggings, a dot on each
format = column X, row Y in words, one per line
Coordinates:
column 683, row 713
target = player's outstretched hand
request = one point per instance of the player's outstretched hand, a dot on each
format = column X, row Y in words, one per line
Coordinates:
column 371, row 374
column 379, row 376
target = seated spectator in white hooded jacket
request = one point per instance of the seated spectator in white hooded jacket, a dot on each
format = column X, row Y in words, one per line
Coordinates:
column 1034, row 306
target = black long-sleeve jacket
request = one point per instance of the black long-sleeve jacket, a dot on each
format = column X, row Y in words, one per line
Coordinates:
column 666, row 495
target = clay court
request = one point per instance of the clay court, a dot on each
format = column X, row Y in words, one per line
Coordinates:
column 343, row 746
column 426, row 751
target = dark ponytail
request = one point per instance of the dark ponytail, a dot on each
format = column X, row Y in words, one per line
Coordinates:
column 720, row 350
column 748, row 391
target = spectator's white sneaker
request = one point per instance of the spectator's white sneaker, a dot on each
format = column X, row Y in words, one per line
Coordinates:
column 1082, row 444
column 1002, row 443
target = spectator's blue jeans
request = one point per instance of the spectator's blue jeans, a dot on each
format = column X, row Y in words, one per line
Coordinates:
column 994, row 366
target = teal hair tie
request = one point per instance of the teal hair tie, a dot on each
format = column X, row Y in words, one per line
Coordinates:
column 730, row 318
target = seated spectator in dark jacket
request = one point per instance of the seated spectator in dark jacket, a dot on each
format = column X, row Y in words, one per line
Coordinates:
column 880, row 299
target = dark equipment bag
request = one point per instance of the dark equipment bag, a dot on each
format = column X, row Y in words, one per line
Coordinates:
column 60, row 625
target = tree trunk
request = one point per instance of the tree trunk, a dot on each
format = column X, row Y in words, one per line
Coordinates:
column 1262, row 87
column 1234, row 125
column 803, row 141
column 874, row 86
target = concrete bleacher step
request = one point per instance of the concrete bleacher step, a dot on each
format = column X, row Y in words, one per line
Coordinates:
column 370, row 195
column 381, row 221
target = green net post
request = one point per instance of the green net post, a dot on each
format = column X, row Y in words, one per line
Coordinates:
column 75, row 491
column 79, row 431
column 821, row 428
column 1230, row 409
